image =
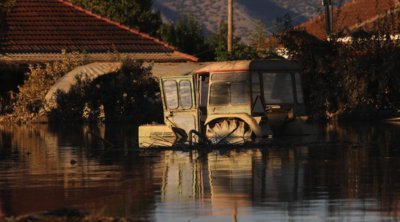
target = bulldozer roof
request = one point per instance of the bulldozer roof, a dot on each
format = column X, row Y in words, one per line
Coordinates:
column 246, row 65
column 188, row 68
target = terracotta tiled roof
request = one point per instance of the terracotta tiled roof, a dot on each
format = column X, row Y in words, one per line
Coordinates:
column 353, row 15
column 49, row 26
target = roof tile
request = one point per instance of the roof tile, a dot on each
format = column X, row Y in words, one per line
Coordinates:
column 49, row 26
column 358, row 13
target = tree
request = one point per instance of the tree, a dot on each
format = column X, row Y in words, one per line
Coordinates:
column 355, row 80
column 218, row 42
column 5, row 6
column 122, row 96
column 133, row 13
column 258, row 40
column 187, row 35
column 283, row 24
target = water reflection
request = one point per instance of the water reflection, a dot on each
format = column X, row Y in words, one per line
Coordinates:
column 45, row 168
column 346, row 173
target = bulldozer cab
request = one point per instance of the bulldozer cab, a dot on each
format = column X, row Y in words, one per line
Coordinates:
column 252, row 93
column 254, row 87
column 180, row 104
column 280, row 93
column 228, row 103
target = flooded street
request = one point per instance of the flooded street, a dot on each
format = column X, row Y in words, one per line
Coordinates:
column 343, row 174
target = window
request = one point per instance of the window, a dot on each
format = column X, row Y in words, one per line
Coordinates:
column 255, row 85
column 219, row 93
column 171, row 94
column 204, row 91
column 239, row 93
column 185, row 93
column 299, row 89
column 278, row 88
column 229, row 88
column 235, row 93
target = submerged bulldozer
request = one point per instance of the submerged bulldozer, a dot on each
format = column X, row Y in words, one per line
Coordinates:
column 229, row 103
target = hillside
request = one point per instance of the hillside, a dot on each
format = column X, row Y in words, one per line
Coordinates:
column 247, row 12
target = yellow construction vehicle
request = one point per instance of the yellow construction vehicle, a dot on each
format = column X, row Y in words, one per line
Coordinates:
column 228, row 103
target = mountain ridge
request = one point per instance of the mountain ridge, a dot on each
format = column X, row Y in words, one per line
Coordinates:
column 246, row 12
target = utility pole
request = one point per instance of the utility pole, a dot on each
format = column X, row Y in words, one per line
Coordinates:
column 328, row 16
column 230, row 26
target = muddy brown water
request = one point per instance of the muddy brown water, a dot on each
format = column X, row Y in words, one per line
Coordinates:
column 346, row 173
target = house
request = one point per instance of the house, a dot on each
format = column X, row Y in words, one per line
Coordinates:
column 356, row 15
column 38, row 30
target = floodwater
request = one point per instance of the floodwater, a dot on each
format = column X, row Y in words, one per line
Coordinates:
column 343, row 174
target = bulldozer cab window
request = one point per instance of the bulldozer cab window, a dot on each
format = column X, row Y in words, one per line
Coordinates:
column 171, row 94
column 299, row 89
column 239, row 93
column 278, row 88
column 255, row 85
column 185, row 93
column 219, row 93
column 204, row 81
column 178, row 94
column 229, row 88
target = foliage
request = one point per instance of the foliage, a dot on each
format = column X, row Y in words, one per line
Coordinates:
column 5, row 6
column 29, row 100
column 269, row 46
column 257, row 39
column 318, row 82
column 218, row 42
column 133, row 13
column 128, row 94
column 356, row 79
column 187, row 35
column 265, row 46
column 283, row 24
